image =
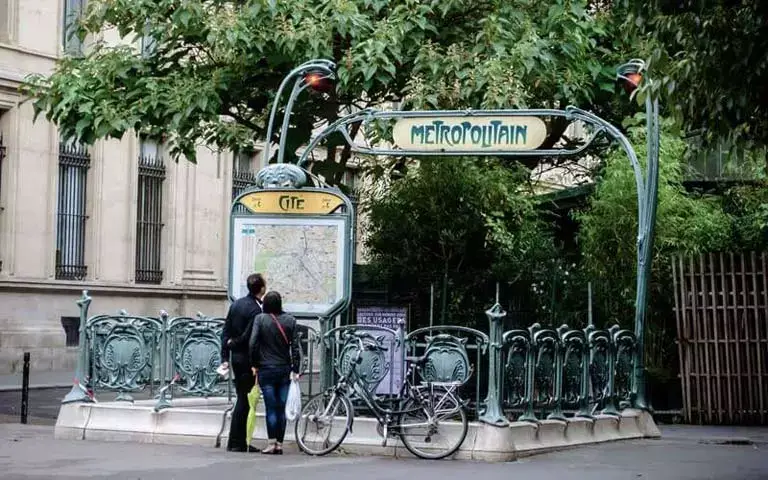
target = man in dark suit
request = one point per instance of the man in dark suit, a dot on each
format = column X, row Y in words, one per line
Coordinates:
column 234, row 340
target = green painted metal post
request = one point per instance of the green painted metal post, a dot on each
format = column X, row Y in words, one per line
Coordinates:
column 652, row 185
column 79, row 392
column 400, row 337
column 557, row 411
column 584, row 410
column 529, row 415
column 326, row 354
column 163, row 348
column 494, row 414
column 632, row 73
column 610, row 396
column 324, row 67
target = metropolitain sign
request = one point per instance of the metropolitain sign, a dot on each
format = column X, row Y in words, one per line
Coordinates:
column 469, row 134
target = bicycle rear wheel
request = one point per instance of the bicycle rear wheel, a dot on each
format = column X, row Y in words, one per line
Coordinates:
column 435, row 429
column 314, row 428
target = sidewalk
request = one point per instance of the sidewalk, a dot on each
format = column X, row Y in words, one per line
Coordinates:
column 716, row 435
column 12, row 382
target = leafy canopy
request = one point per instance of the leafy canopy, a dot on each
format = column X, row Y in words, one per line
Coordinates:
column 212, row 66
column 710, row 62
column 465, row 220
column 684, row 224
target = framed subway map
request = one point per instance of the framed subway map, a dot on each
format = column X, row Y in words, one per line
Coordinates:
column 302, row 258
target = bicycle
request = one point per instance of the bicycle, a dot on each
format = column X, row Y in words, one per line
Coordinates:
column 433, row 407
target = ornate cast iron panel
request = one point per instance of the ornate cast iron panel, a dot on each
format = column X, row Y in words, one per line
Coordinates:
column 446, row 360
column 195, row 346
column 517, row 344
column 374, row 366
column 567, row 371
column 122, row 351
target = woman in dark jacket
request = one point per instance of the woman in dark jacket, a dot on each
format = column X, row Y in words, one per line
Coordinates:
column 275, row 359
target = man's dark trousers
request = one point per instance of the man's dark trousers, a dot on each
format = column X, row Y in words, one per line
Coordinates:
column 244, row 382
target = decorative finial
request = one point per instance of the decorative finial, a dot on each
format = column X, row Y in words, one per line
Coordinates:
column 281, row 175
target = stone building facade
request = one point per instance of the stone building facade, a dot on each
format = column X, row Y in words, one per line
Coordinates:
column 120, row 219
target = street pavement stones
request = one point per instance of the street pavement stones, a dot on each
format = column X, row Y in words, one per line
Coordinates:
column 31, row 453
column 13, row 381
column 44, row 403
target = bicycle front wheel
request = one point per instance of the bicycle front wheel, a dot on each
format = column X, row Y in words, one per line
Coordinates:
column 323, row 424
column 435, row 428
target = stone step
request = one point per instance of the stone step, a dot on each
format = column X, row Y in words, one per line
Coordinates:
column 199, row 421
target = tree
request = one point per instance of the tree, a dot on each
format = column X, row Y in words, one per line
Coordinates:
column 685, row 224
column 710, row 63
column 211, row 66
column 465, row 222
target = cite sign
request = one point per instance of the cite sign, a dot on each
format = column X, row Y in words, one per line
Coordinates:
column 475, row 133
column 295, row 202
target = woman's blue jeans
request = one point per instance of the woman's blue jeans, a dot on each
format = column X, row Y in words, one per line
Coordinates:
column 274, row 383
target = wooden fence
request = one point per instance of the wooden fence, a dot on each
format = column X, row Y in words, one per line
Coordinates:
column 721, row 305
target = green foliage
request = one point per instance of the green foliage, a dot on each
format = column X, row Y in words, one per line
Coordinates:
column 748, row 207
column 464, row 219
column 685, row 224
column 709, row 60
column 212, row 66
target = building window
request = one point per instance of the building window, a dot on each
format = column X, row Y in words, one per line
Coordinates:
column 244, row 172
column 148, row 43
column 73, row 9
column 349, row 178
column 2, row 157
column 149, row 217
column 74, row 162
column 6, row 17
column 71, row 327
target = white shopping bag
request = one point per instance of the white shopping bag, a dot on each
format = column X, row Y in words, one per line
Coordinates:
column 293, row 403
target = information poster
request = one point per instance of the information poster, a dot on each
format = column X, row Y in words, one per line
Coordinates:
column 387, row 317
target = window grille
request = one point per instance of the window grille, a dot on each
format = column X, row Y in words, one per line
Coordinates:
column 2, row 157
column 149, row 216
column 71, row 327
column 243, row 175
column 74, row 162
column 73, row 9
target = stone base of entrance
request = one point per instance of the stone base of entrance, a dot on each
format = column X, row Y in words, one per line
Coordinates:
column 205, row 422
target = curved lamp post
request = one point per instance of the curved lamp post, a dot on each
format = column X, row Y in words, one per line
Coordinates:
column 315, row 74
column 631, row 74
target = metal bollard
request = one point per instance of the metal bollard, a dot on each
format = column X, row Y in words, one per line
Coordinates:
column 25, row 390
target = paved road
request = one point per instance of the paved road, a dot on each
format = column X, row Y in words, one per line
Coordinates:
column 30, row 453
column 44, row 403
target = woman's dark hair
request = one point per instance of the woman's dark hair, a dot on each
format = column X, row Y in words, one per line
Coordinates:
column 272, row 303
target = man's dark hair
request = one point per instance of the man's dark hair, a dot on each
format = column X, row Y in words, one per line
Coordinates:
column 255, row 283
column 273, row 303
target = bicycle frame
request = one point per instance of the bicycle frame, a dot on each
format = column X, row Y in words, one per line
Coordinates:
column 407, row 392
column 434, row 400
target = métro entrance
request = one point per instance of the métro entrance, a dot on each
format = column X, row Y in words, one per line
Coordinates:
column 302, row 237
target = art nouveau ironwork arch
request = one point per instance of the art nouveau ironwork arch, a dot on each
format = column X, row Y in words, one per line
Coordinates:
column 646, row 177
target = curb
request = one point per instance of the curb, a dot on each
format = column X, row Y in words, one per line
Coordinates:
column 40, row 386
column 727, row 441
column 732, row 441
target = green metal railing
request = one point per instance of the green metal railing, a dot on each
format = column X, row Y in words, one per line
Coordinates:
column 516, row 375
column 127, row 354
